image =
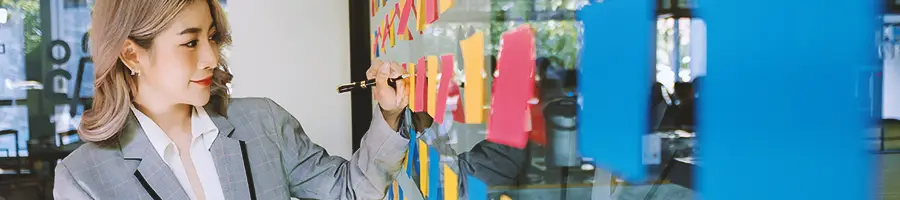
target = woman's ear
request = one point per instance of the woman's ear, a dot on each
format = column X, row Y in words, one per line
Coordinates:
column 130, row 56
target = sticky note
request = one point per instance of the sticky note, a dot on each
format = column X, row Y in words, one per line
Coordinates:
column 403, row 27
column 390, row 194
column 394, row 192
column 423, row 167
column 473, row 65
column 411, row 83
column 375, row 48
column 451, row 184
column 434, row 164
column 372, row 46
column 445, row 5
column 512, row 88
column 444, row 87
column 421, row 86
column 431, row 11
column 389, row 28
column 420, row 15
column 475, row 189
column 458, row 114
column 411, row 155
column 432, row 63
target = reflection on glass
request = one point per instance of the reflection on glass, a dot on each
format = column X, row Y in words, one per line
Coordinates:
column 14, row 118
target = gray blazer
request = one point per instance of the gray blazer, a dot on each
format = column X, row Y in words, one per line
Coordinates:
column 261, row 153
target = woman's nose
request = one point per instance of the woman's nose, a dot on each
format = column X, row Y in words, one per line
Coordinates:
column 209, row 57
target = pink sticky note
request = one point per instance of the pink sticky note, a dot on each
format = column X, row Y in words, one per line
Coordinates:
column 512, row 88
column 443, row 88
column 431, row 11
column 421, row 85
column 403, row 28
column 385, row 30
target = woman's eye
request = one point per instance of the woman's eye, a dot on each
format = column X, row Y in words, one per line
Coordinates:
column 191, row 44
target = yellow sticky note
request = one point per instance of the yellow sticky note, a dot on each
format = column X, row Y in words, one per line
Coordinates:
column 432, row 62
column 420, row 15
column 411, row 83
column 473, row 60
column 392, row 34
column 396, row 189
column 445, row 5
column 423, row 167
column 451, row 184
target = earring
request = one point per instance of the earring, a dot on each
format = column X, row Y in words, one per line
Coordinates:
column 133, row 72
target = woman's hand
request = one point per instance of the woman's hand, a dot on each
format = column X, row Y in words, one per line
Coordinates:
column 392, row 101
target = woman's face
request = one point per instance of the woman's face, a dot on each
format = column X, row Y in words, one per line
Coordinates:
column 178, row 66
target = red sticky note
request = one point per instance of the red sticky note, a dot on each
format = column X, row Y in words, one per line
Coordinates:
column 459, row 115
column 512, row 88
column 431, row 11
column 421, row 86
column 403, row 28
column 443, row 88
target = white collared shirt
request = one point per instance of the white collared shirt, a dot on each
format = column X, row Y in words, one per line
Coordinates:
column 204, row 132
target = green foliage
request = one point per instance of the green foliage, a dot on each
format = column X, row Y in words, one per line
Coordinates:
column 558, row 40
column 32, row 13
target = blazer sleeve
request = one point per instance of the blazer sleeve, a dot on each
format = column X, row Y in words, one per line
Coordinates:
column 65, row 186
column 314, row 174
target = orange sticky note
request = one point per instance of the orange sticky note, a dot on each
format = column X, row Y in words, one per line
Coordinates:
column 423, row 167
column 473, row 62
column 445, row 5
column 512, row 88
column 432, row 63
column 373, row 46
column 451, row 184
column 384, row 32
column 396, row 188
column 444, row 87
column 431, row 11
column 420, row 15
column 411, row 82
column 421, row 86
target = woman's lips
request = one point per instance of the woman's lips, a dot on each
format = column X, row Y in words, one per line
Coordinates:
column 204, row 82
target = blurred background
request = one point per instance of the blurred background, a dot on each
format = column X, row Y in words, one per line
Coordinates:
column 294, row 51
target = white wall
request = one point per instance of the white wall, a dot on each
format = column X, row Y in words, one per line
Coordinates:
column 891, row 98
column 296, row 52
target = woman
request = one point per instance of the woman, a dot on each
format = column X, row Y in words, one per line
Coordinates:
column 164, row 127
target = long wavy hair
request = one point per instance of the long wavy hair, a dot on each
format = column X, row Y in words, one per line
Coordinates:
column 115, row 21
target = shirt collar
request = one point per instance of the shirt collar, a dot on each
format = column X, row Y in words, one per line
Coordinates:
column 201, row 126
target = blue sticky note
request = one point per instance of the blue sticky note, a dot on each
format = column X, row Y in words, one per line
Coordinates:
column 390, row 194
column 610, row 129
column 476, row 190
column 805, row 119
column 411, row 156
column 434, row 174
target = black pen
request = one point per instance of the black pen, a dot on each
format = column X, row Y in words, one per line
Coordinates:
column 368, row 84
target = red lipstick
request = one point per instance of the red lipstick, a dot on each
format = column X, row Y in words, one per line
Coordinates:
column 204, row 82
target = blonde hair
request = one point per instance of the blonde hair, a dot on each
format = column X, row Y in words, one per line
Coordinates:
column 113, row 22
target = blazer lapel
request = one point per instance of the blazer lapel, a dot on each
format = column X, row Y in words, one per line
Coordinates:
column 149, row 168
column 229, row 155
